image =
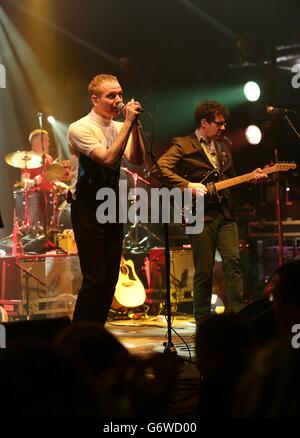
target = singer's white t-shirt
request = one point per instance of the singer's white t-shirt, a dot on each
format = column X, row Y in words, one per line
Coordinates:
column 87, row 134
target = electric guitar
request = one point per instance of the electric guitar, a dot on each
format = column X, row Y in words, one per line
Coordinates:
column 214, row 184
column 129, row 291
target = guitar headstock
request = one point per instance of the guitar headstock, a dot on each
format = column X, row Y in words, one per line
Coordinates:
column 283, row 166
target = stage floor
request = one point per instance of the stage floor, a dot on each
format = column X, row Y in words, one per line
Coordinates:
column 146, row 335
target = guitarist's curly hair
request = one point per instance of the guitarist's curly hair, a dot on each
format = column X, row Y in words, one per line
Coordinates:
column 208, row 109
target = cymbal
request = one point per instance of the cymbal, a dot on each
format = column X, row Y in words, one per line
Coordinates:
column 24, row 159
column 54, row 171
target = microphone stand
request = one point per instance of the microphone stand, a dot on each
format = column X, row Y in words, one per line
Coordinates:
column 291, row 125
column 44, row 193
column 278, row 212
column 168, row 346
column 278, row 195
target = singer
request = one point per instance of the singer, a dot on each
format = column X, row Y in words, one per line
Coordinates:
column 97, row 144
column 184, row 165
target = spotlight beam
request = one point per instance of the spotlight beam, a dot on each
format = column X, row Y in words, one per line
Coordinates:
column 209, row 19
column 63, row 31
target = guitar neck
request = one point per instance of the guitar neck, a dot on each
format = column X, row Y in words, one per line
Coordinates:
column 241, row 179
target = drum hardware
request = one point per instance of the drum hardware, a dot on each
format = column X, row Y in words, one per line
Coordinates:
column 17, row 248
column 134, row 241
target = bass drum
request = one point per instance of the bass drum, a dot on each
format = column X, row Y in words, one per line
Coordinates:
column 64, row 216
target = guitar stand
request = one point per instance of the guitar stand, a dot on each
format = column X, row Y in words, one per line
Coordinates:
column 132, row 239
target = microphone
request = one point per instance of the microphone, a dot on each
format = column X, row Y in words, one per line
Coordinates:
column 273, row 110
column 40, row 119
column 121, row 105
column 226, row 139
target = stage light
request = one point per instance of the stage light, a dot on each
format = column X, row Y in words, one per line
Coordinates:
column 59, row 130
column 51, row 120
column 252, row 91
column 253, row 134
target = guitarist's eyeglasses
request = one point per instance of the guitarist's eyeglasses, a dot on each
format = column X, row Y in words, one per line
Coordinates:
column 219, row 123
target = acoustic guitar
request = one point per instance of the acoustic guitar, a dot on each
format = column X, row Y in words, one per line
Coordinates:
column 129, row 291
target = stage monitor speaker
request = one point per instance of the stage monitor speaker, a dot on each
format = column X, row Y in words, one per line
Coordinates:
column 36, row 330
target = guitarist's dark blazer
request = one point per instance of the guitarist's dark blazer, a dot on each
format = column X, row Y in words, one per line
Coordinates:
column 186, row 161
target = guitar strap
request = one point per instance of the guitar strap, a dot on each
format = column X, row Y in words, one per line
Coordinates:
column 219, row 155
column 208, row 155
column 214, row 157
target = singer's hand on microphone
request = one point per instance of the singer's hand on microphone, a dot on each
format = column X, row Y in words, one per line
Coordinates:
column 132, row 110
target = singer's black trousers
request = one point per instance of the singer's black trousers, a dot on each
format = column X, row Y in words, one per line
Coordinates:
column 99, row 249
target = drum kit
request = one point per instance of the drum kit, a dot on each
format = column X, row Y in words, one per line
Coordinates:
column 41, row 209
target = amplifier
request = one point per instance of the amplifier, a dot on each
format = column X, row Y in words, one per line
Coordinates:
column 159, row 295
column 181, row 273
column 181, row 276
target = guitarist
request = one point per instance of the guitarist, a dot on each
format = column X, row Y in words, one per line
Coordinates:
column 184, row 165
